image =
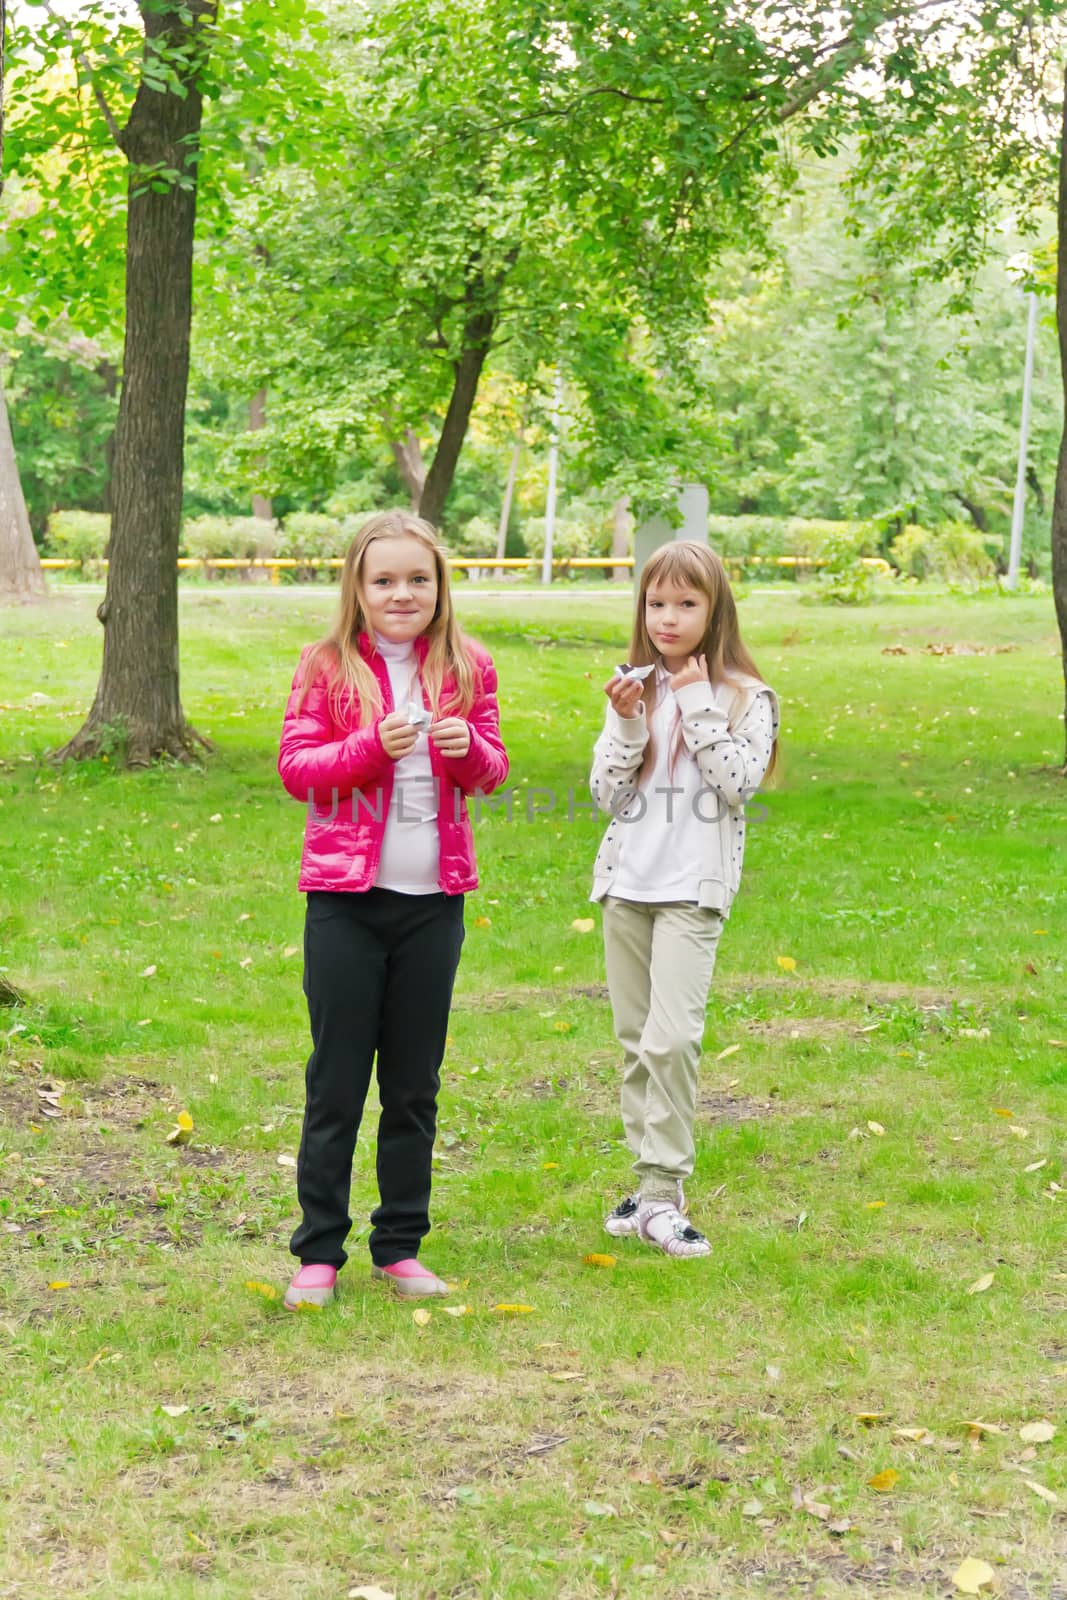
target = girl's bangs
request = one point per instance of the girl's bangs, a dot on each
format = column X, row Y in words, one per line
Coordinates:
column 681, row 563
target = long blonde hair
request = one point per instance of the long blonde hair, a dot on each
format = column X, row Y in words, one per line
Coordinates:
column 338, row 654
column 693, row 566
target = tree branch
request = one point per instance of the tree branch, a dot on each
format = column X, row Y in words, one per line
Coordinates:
column 83, row 63
column 562, row 111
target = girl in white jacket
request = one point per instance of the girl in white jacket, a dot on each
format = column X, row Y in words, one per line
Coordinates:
column 690, row 733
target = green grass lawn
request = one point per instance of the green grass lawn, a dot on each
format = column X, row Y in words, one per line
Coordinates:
column 880, row 1131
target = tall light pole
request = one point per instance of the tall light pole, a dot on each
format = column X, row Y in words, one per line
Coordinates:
column 1024, row 430
column 553, row 468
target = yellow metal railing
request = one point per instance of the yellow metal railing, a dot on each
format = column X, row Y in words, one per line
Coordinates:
column 277, row 564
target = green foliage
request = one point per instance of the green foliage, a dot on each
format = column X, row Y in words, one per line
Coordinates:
column 580, row 530
column 956, row 554
column 80, row 536
column 843, row 579
column 62, row 403
column 244, row 538
column 477, row 537
column 309, row 536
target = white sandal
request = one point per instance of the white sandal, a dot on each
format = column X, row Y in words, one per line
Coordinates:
column 660, row 1223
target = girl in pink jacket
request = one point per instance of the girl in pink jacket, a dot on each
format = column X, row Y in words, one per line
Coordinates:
column 392, row 722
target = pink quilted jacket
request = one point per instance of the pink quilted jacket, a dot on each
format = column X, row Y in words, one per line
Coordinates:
column 343, row 775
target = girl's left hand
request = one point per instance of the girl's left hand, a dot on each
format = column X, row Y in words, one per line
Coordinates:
column 695, row 671
column 452, row 736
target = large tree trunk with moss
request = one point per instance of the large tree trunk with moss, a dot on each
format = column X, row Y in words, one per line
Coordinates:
column 137, row 708
column 1059, row 504
column 21, row 577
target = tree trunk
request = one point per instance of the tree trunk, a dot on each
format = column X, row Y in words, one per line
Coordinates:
column 407, row 453
column 1059, row 504
column 477, row 335
column 3, row 40
column 257, row 417
column 509, row 495
column 622, row 527
column 21, row 577
column 137, row 704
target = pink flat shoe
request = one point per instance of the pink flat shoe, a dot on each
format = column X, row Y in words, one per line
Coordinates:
column 410, row 1278
column 313, row 1285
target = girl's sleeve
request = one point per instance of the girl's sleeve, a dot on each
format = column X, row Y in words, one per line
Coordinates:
column 485, row 766
column 311, row 761
column 733, row 762
column 617, row 757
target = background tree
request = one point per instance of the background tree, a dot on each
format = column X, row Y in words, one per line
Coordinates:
column 21, row 577
column 1059, row 505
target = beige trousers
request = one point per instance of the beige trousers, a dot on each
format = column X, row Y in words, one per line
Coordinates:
column 659, row 960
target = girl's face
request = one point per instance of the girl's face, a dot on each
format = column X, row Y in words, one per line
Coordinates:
column 676, row 617
column 399, row 588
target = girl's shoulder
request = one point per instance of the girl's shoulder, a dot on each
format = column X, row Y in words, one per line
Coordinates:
column 742, row 690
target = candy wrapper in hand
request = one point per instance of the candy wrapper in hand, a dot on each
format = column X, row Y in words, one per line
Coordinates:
column 629, row 674
column 417, row 717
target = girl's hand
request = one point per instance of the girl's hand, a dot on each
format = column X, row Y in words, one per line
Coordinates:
column 694, row 671
column 624, row 694
column 452, row 736
column 397, row 735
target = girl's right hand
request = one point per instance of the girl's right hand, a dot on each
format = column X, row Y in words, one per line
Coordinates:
column 624, row 694
column 397, row 735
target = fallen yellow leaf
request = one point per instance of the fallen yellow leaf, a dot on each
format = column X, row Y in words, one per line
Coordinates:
column 885, row 1481
column 511, row 1309
column 421, row 1317
column 267, row 1290
column 457, row 1311
column 1002, row 1111
column 1020, row 1133
column 972, row 1576
column 182, row 1131
column 550, row 1166
column 731, row 1049
column 483, row 922
column 562, row 1027
column 869, row 1417
column 583, row 924
column 1037, row 1432
column 980, row 1285
column 876, row 1128
column 596, row 1260
column 912, row 1435
column 875, row 1205
column 787, row 963
column 59, row 1283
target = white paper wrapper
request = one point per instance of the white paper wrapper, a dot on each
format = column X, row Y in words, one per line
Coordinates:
column 629, row 674
column 417, row 716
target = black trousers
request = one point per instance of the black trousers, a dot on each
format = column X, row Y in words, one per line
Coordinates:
column 378, row 975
